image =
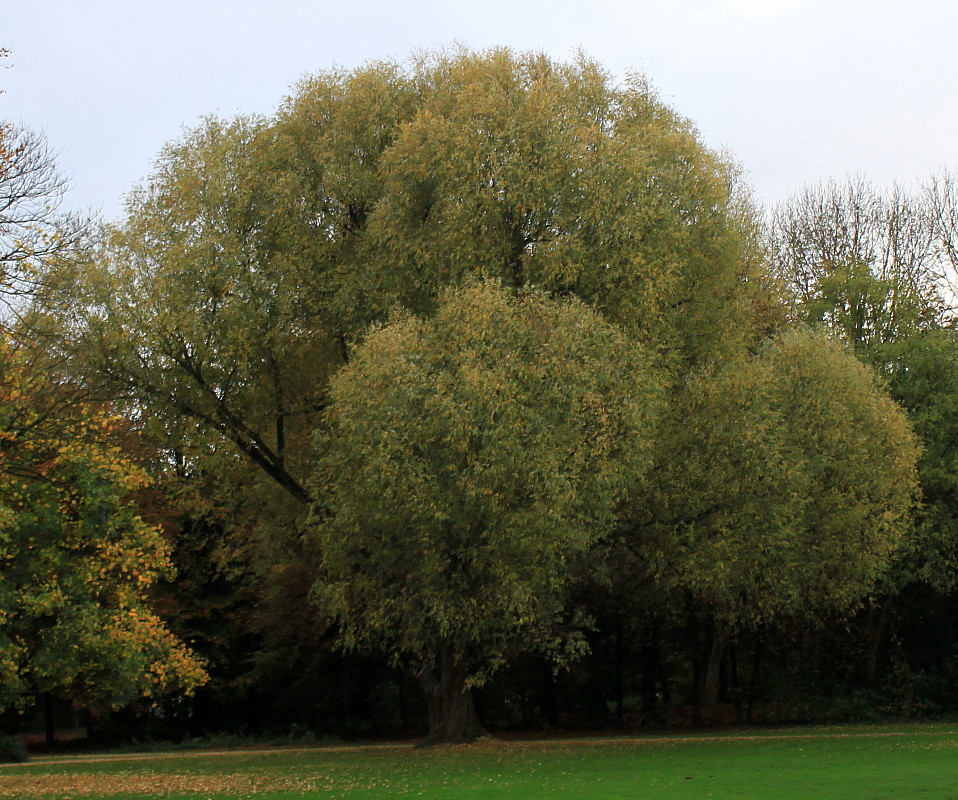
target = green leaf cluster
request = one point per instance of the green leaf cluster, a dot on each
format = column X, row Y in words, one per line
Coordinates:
column 470, row 458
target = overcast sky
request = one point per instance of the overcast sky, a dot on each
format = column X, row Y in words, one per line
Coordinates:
column 797, row 90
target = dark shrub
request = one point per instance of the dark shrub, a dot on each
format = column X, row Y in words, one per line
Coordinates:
column 12, row 749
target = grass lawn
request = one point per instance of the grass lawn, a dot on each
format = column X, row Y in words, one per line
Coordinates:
column 847, row 763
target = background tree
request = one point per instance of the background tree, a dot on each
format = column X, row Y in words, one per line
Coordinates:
column 940, row 195
column 471, row 457
column 76, row 560
column 876, row 267
column 866, row 262
column 785, row 487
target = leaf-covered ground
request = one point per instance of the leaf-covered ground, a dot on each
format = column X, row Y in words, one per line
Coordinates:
column 150, row 784
column 834, row 763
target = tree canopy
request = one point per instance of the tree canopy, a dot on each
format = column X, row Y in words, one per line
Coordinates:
column 260, row 246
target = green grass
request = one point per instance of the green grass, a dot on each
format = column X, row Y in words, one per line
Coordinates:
column 873, row 763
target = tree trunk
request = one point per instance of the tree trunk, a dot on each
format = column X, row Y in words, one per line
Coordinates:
column 452, row 714
column 619, row 680
column 732, row 690
column 550, row 700
column 49, row 721
column 697, row 671
column 403, row 706
column 878, row 624
column 710, row 689
column 753, row 680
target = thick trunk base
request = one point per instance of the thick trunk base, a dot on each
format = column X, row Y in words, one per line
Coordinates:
column 452, row 713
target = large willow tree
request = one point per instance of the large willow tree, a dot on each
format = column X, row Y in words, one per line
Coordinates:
column 257, row 256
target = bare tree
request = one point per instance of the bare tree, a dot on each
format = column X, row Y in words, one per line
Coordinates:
column 874, row 252
column 35, row 234
column 941, row 198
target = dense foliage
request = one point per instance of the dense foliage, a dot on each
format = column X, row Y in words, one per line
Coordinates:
column 786, row 485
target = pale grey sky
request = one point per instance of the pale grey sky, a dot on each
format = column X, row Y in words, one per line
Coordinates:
column 797, row 90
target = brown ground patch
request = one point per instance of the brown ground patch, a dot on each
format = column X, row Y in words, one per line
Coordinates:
column 66, row 786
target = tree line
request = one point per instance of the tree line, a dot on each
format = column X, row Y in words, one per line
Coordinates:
column 482, row 373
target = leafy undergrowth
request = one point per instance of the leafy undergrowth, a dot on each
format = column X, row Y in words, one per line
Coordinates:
column 859, row 763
